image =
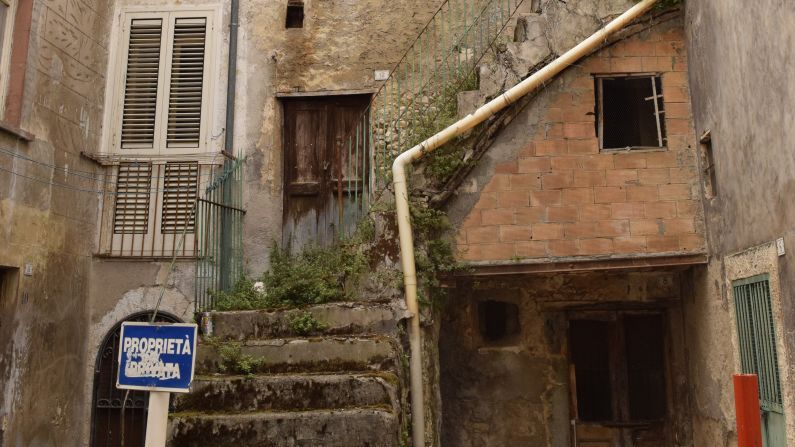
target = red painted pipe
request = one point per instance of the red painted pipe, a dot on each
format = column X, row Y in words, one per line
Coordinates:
column 746, row 404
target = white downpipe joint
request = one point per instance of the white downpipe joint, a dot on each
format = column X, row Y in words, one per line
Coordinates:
column 402, row 196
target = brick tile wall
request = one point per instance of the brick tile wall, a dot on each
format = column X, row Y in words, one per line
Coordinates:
column 561, row 197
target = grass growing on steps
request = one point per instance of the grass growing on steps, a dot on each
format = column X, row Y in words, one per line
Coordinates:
column 232, row 358
column 314, row 276
column 304, row 323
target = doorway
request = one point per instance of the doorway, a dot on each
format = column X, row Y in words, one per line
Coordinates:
column 617, row 366
column 107, row 426
column 326, row 168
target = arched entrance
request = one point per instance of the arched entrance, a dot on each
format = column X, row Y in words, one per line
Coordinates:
column 106, row 422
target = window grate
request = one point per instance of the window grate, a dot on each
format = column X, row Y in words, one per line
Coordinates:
column 757, row 337
column 179, row 197
column 131, row 212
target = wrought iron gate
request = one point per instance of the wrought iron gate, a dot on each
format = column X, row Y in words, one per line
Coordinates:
column 219, row 217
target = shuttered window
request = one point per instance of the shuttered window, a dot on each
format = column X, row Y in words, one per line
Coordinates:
column 179, row 197
column 164, row 94
column 757, row 337
column 141, row 84
column 187, row 76
column 131, row 212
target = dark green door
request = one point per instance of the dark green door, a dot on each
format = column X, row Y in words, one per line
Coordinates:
column 758, row 353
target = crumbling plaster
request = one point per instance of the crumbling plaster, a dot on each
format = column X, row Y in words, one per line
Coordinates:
column 336, row 51
column 517, row 392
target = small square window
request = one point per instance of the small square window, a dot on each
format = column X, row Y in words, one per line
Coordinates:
column 498, row 320
column 630, row 112
column 295, row 15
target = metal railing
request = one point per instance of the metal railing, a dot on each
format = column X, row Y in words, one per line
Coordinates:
column 147, row 205
column 219, row 218
column 420, row 96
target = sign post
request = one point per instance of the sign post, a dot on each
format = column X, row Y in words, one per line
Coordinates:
column 159, row 358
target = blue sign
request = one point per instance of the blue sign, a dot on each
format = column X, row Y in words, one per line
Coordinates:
column 157, row 356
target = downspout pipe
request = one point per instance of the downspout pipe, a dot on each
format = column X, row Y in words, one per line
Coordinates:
column 402, row 196
column 229, row 142
column 231, row 78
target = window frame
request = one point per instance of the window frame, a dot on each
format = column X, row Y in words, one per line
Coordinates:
column 117, row 79
column 658, row 97
column 5, row 51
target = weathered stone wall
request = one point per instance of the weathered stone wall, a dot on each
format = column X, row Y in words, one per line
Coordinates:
column 336, row 51
column 517, row 392
column 47, row 219
column 742, row 92
column 544, row 189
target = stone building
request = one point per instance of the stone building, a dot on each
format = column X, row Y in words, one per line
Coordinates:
column 618, row 227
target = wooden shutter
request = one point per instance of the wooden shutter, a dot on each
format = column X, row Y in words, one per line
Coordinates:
column 141, row 84
column 131, row 213
column 186, row 82
column 179, row 195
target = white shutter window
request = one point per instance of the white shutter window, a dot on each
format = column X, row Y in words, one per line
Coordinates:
column 141, row 85
column 133, row 189
column 187, row 82
column 180, row 186
column 164, row 94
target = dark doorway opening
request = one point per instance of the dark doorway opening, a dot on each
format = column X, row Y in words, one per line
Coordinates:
column 106, row 420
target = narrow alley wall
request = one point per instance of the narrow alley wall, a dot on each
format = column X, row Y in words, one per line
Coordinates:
column 743, row 94
column 48, row 217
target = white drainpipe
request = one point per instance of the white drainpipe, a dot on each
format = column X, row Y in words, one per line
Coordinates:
column 402, row 196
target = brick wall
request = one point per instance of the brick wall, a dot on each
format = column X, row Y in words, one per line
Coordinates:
column 559, row 196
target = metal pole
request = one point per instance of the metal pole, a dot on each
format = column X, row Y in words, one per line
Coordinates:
column 746, row 403
column 157, row 419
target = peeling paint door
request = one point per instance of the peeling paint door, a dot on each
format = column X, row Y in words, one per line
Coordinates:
column 322, row 172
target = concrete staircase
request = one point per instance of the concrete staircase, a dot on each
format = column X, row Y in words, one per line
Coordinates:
column 339, row 387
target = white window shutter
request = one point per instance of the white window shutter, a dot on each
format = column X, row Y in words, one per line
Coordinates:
column 141, row 86
column 186, row 82
column 133, row 189
column 180, row 187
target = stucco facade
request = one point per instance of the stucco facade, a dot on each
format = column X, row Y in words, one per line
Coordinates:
column 547, row 222
column 743, row 95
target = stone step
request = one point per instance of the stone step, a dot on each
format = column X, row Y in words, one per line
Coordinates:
column 302, row 355
column 344, row 428
column 237, row 394
column 337, row 318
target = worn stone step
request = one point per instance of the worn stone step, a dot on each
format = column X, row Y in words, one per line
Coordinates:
column 304, row 355
column 236, row 394
column 337, row 318
column 343, row 428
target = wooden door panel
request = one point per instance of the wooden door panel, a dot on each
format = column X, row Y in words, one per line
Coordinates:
column 321, row 170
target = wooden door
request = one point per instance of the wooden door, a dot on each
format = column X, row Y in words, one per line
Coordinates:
column 617, row 375
column 324, row 168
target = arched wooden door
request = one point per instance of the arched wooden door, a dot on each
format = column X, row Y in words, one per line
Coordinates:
column 106, row 420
